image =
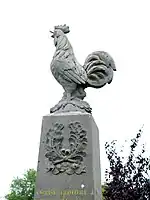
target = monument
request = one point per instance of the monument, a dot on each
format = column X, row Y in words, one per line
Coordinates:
column 69, row 154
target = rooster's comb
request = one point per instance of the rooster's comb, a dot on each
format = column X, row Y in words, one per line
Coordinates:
column 63, row 28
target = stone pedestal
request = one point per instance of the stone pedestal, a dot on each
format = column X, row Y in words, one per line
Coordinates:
column 69, row 158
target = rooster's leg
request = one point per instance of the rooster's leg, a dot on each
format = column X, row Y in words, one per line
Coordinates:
column 64, row 96
column 68, row 96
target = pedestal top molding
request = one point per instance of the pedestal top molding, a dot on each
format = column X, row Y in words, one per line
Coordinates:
column 96, row 72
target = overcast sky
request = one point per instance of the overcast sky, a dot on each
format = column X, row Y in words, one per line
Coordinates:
column 28, row 90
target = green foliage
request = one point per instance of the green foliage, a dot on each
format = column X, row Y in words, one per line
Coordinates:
column 23, row 188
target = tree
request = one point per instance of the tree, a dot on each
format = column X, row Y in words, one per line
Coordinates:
column 23, row 188
column 127, row 180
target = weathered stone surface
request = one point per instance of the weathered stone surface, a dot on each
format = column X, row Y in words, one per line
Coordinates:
column 69, row 158
column 96, row 72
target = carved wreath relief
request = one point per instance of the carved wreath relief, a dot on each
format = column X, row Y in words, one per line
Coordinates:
column 66, row 160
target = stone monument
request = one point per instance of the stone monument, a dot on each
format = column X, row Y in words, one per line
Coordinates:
column 69, row 155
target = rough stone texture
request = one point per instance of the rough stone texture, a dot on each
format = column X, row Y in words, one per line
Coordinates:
column 74, row 172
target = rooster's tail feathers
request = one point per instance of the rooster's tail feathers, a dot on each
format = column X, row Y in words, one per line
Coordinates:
column 99, row 67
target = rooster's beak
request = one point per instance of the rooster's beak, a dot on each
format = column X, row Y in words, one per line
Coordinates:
column 53, row 34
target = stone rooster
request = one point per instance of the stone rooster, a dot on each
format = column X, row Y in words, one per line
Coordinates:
column 96, row 72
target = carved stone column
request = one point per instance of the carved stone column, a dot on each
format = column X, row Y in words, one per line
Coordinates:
column 69, row 158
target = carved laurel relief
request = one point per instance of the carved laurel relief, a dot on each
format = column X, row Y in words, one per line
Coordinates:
column 66, row 160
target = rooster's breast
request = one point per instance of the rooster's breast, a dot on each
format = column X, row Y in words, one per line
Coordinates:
column 58, row 70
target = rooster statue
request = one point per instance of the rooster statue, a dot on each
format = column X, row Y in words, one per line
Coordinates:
column 96, row 72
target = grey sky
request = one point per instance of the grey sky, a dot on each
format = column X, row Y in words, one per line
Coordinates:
column 28, row 90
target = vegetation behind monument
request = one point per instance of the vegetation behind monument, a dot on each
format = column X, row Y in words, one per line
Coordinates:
column 23, row 188
column 127, row 180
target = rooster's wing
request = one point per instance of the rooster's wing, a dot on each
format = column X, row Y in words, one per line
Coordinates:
column 70, row 72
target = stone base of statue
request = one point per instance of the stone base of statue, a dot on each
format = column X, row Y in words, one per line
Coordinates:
column 69, row 158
